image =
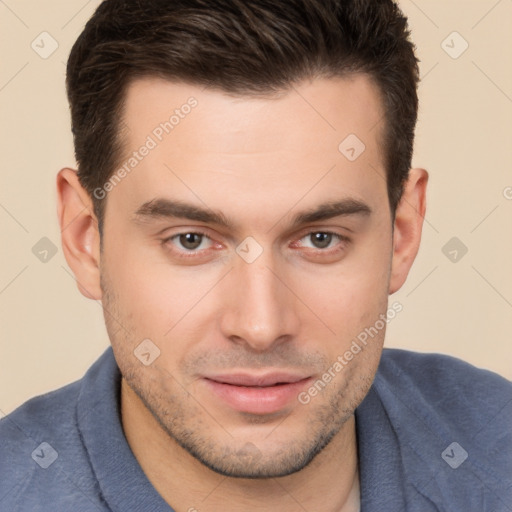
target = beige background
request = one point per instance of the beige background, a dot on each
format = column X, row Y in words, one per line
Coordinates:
column 50, row 334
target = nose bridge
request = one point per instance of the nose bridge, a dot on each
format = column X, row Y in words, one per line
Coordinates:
column 261, row 310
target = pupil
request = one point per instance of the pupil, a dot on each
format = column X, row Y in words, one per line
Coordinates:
column 322, row 240
column 190, row 240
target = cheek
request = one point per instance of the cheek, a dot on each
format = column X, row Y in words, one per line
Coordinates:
column 144, row 291
column 352, row 294
column 156, row 299
column 347, row 308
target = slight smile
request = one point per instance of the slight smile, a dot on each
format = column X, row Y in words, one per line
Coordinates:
column 257, row 394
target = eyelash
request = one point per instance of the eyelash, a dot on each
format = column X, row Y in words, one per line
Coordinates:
column 194, row 253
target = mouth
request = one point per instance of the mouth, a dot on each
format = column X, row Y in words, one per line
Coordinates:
column 257, row 394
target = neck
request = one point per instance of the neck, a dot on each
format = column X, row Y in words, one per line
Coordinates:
column 330, row 482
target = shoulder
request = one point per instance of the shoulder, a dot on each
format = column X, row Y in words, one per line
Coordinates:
column 43, row 463
column 447, row 414
column 445, row 382
column 40, row 412
column 46, row 416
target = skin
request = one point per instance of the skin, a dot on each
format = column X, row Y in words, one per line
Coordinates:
column 297, row 307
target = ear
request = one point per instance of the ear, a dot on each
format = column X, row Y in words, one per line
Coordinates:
column 79, row 233
column 409, row 217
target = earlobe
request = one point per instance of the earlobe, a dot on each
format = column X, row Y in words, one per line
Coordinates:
column 79, row 233
column 408, row 224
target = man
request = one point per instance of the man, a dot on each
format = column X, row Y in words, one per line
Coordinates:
column 243, row 208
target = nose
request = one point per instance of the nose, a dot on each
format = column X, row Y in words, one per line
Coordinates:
column 260, row 311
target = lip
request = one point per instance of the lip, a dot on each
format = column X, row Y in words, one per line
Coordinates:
column 257, row 394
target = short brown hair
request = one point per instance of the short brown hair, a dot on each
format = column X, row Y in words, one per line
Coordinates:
column 242, row 47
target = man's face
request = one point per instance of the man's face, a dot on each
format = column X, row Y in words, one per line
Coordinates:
column 251, row 301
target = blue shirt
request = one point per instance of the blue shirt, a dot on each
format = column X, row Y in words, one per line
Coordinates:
column 434, row 434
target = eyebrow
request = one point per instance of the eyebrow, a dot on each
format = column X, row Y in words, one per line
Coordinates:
column 162, row 208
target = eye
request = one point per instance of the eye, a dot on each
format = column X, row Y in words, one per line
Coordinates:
column 190, row 241
column 320, row 240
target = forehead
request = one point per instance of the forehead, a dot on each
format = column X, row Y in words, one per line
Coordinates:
column 267, row 148
column 313, row 111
